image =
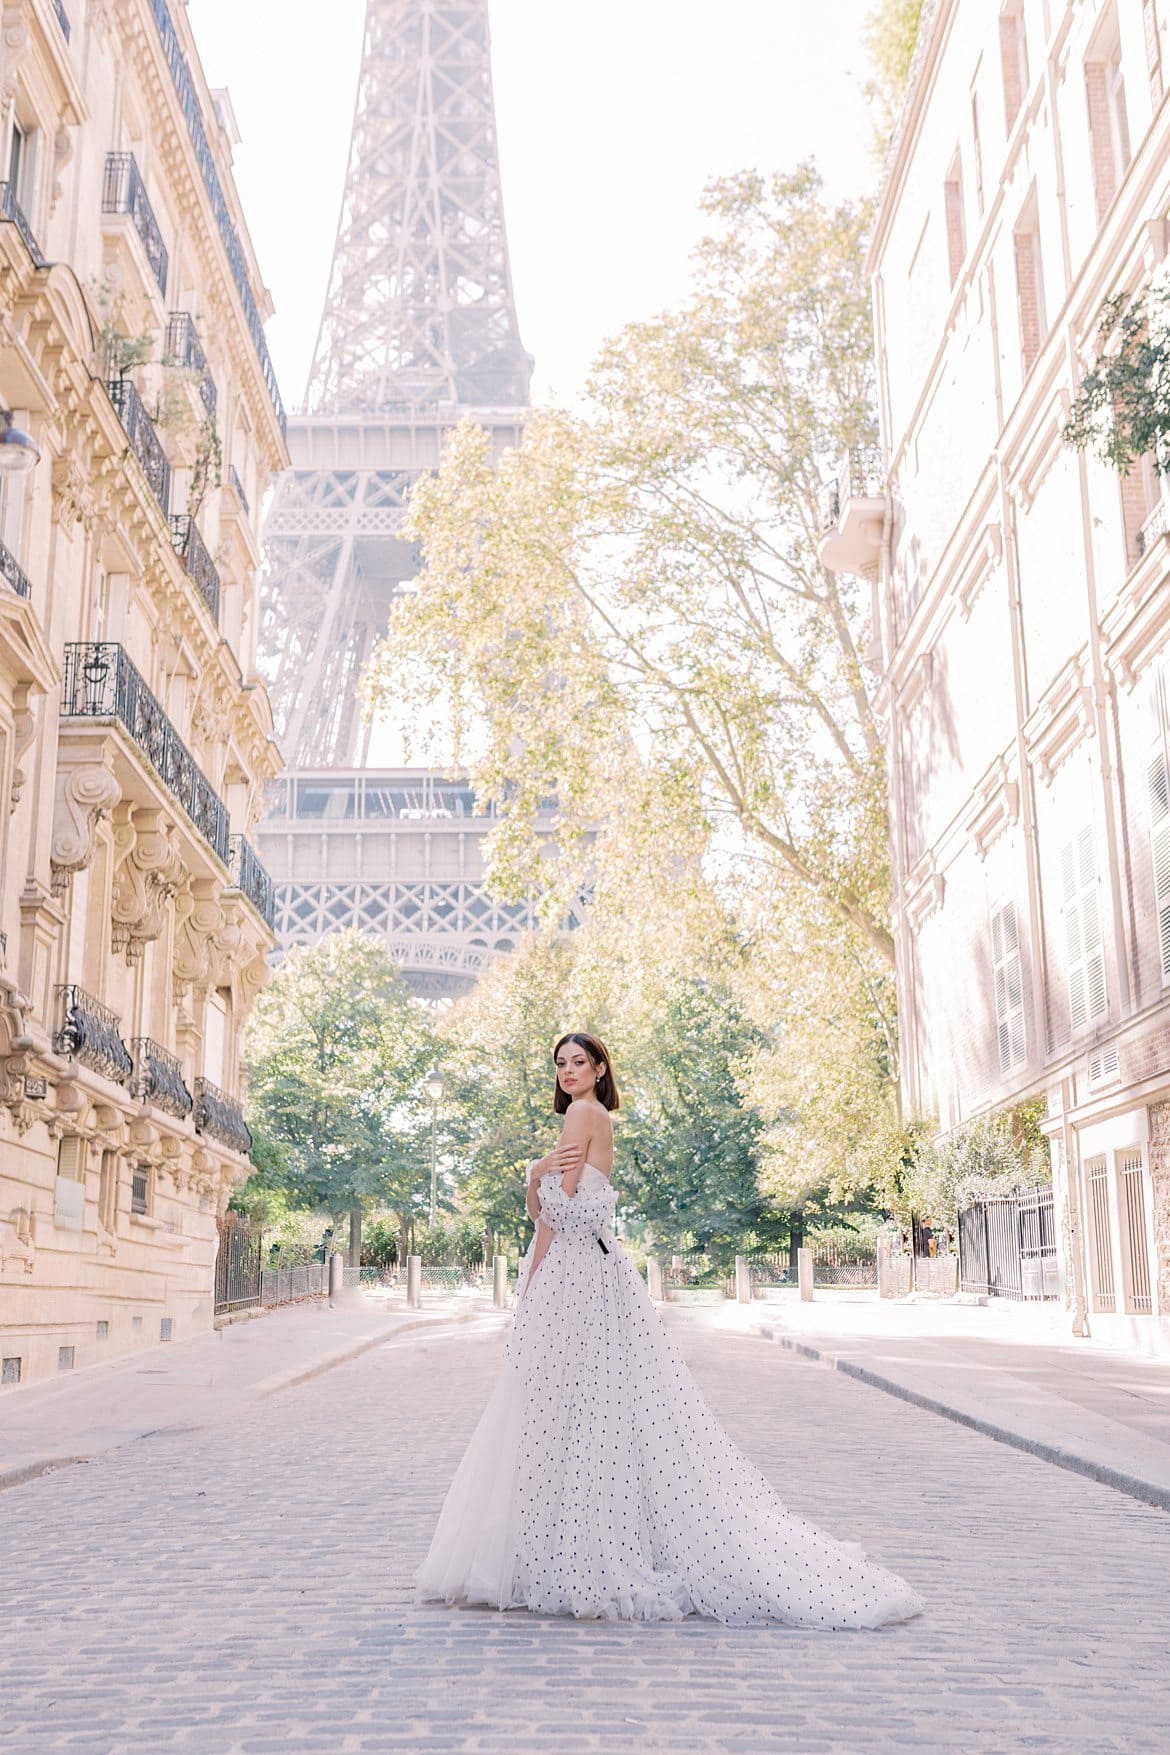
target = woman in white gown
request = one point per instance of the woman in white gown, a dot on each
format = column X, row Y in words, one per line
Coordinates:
column 598, row 1483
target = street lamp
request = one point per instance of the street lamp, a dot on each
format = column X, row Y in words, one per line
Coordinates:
column 18, row 452
column 434, row 1090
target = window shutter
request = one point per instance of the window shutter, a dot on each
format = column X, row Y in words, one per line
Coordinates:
column 1087, row 993
column 1009, row 986
column 1160, row 841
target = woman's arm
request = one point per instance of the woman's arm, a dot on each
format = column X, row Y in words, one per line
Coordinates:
column 566, row 1156
column 575, row 1136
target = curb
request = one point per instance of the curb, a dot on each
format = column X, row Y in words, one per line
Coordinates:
column 1145, row 1491
column 23, row 1472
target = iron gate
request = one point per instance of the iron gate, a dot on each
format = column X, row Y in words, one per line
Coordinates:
column 238, row 1264
column 1007, row 1246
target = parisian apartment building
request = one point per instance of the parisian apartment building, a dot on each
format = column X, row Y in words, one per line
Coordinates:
column 141, row 425
column 1022, row 616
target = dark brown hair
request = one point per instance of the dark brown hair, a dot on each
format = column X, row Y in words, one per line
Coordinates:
column 606, row 1090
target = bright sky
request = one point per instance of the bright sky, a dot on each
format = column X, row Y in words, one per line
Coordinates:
column 612, row 114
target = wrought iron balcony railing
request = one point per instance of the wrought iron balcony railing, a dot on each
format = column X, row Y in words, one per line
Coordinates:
column 11, row 210
column 158, row 1078
column 124, row 192
column 101, row 682
column 183, row 349
column 15, row 574
column 144, row 441
column 62, row 19
column 91, row 1033
column 196, row 557
column 189, row 102
column 221, row 1116
column 233, row 477
column 252, row 878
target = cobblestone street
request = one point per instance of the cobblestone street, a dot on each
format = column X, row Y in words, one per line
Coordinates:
column 246, row 1587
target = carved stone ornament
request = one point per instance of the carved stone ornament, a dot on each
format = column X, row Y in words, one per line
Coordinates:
column 84, row 796
column 147, row 873
column 198, row 919
column 73, row 497
column 18, row 1242
column 23, row 729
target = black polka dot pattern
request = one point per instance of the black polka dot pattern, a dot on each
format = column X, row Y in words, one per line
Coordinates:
column 599, row 1484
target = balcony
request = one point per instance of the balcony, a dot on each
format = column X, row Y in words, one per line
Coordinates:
column 144, row 441
column 158, row 1079
column 11, row 570
column 124, row 192
column 854, row 515
column 238, row 486
column 13, row 212
column 91, row 1033
column 62, row 19
column 1152, row 529
column 252, row 879
column 101, row 682
column 182, row 349
column 196, row 558
column 221, row 1117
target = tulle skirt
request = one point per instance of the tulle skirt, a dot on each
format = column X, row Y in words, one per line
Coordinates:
column 599, row 1484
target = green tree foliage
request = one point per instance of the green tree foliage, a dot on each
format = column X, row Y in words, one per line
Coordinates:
column 991, row 1155
column 1122, row 408
column 337, row 1053
column 890, row 35
column 628, row 614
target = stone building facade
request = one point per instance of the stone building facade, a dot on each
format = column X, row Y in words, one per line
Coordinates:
column 135, row 736
column 1022, row 615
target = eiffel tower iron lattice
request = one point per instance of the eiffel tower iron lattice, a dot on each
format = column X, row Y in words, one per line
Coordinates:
column 419, row 329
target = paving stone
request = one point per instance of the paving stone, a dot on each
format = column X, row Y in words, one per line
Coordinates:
column 246, row 1588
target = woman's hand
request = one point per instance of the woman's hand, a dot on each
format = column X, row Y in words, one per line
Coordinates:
column 562, row 1158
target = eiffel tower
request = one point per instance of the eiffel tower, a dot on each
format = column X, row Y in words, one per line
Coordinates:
column 419, row 329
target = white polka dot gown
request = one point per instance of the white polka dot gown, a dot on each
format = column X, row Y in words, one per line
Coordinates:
column 598, row 1482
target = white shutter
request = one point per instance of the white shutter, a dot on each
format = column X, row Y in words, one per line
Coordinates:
column 1009, row 986
column 1160, row 843
column 1087, row 995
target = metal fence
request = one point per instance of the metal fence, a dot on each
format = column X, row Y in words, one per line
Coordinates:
column 282, row 1285
column 1007, row 1246
column 238, row 1265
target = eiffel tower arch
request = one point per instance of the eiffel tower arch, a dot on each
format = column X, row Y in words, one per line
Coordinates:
column 419, row 330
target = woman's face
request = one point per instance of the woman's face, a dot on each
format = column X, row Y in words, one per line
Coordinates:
column 576, row 1073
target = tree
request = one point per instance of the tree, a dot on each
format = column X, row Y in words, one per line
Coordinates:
column 627, row 613
column 1122, row 408
column 338, row 1050
column 890, row 37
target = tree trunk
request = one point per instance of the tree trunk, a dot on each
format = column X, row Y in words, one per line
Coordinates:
column 795, row 1239
column 355, row 1236
column 403, row 1241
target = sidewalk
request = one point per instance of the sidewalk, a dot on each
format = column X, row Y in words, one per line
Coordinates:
column 202, row 1381
column 1011, row 1372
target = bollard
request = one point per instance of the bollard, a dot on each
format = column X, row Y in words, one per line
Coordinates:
column 654, row 1278
column 743, row 1281
column 804, row 1274
column 335, row 1275
column 414, row 1281
column 500, row 1281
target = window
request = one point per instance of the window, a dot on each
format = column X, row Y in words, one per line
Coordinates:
column 1135, row 1254
column 1030, row 284
column 10, row 1369
column 70, row 1157
column 140, row 1189
column 1108, row 122
column 1104, row 1296
column 978, row 151
column 1153, row 47
column 1013, row 54
column 66, row 1357
column 956, row 228
column 1159, row 796
column 1009, row 987
column 1087, row 999
column 108, row 1191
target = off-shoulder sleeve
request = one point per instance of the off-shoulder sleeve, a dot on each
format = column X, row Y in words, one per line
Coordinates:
column 578, row 1215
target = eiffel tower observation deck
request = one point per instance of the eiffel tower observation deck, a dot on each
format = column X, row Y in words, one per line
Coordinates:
column 419, row 329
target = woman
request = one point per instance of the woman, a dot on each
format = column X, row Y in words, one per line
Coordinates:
column 598, row 1483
